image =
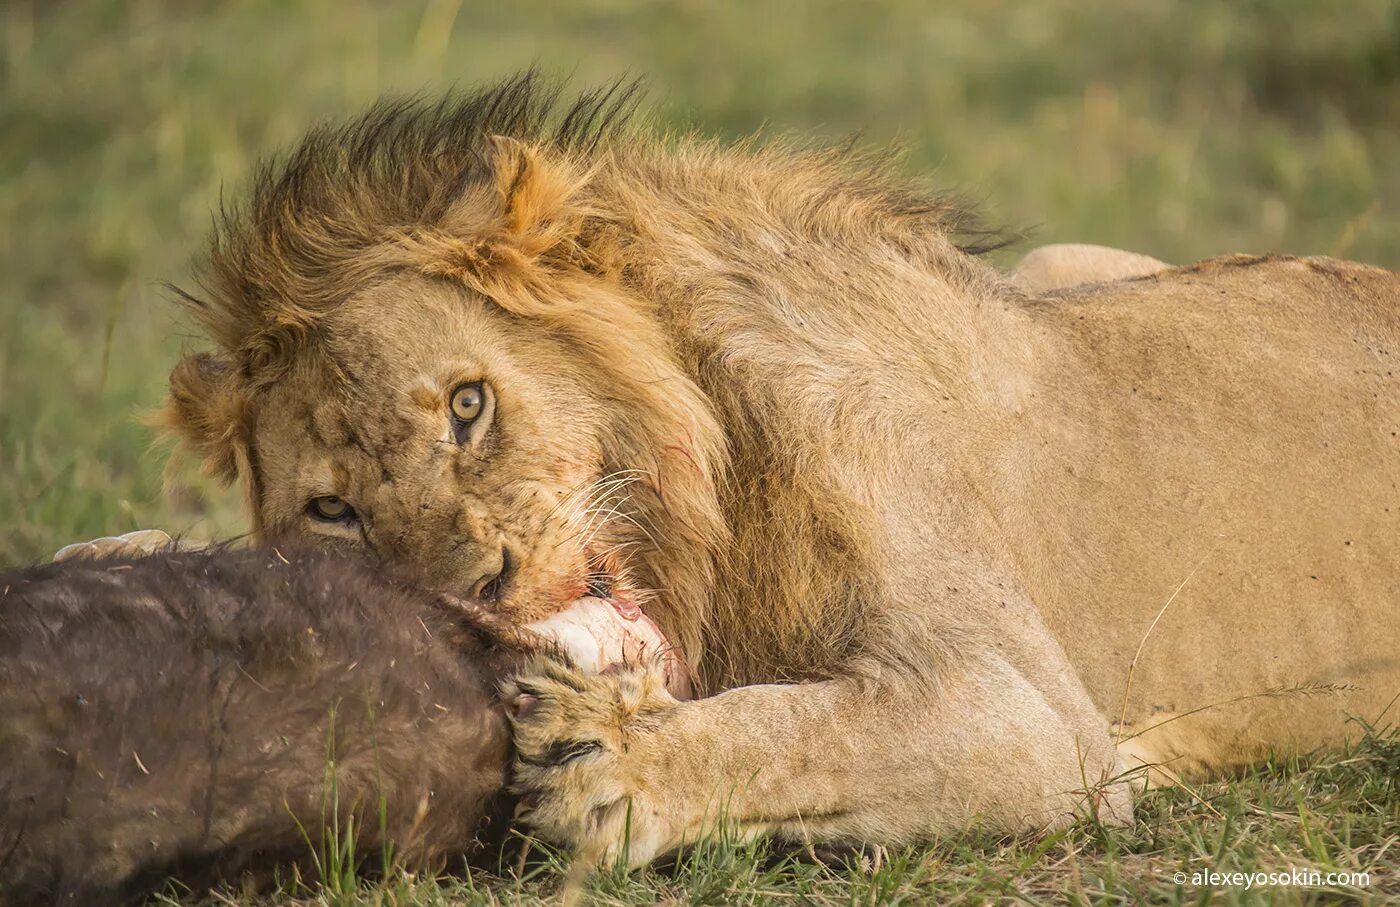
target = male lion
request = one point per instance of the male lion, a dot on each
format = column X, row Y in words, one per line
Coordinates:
column 941, row 550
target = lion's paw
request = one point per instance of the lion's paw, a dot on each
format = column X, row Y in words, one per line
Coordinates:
column 587, row 762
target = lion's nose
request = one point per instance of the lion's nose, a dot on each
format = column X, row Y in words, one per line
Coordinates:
column 491, row 586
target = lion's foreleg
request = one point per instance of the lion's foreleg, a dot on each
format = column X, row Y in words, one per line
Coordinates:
column 614, row 764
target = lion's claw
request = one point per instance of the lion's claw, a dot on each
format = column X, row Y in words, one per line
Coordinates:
column 584, row 745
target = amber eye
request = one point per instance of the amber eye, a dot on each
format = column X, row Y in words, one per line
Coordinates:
column 468, row 401
column 330, row 509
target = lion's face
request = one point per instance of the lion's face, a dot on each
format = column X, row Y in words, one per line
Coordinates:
column 428, row 346
column 431, row 429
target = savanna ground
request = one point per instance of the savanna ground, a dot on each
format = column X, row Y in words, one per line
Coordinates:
column 1179, row 129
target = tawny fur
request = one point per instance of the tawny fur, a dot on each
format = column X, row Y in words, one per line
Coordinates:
column 1060, row 266
column 910, row 522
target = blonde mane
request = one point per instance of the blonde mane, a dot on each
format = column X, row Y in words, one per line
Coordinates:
column 570, row 220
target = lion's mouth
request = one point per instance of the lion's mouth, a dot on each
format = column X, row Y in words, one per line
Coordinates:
column 605, row 629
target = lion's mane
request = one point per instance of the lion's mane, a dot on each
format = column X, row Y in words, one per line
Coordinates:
column 539, row 205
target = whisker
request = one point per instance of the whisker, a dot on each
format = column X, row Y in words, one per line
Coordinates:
column 612, row 550
column 585, row 490
column 598, row 490
column 594, row 507
column 622, row 514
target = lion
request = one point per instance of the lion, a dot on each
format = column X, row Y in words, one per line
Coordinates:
column 942, row 548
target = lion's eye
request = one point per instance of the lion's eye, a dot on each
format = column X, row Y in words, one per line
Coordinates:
column 330, row 509
column 471, row 409
column 468, row 401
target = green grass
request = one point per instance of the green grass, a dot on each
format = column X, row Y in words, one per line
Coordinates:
column 1340, row 814
column 1182, row 129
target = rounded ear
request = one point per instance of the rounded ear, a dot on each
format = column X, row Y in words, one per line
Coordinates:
column 538, row 196
column 531, row 215
column 206, row 411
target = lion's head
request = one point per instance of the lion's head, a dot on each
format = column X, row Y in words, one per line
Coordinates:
column 417, row 359
column 460, row 337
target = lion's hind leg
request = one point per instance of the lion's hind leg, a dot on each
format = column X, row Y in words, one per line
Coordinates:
column 1063, row 265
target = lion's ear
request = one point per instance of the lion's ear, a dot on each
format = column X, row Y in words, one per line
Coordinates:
column 206, row 411
column 538, row 196
column 495, row 238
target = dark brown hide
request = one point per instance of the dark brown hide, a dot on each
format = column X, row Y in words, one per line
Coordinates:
column 182, row 716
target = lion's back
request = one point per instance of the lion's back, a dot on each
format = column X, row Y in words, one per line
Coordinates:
column 1235, row 423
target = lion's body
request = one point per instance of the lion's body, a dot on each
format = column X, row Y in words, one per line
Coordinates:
column 1228, row 430
column 858, row 457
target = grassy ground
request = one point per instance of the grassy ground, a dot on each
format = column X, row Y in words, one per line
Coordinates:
column 1180, row 129
column 1338, row 815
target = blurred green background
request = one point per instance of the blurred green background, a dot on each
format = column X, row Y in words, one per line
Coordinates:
column 1181, row 129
